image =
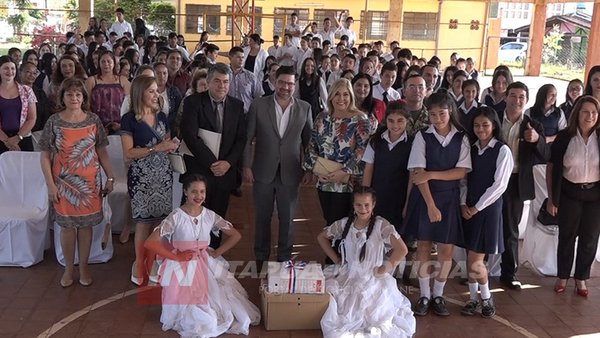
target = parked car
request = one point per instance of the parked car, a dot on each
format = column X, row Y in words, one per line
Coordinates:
column 512, row 52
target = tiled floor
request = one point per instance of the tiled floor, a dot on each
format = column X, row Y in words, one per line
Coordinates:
column 32, row 302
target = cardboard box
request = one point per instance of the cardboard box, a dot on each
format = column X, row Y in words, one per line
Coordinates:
column 293, row 311
column 301, row 278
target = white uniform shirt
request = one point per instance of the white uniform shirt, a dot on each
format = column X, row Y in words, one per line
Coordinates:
column 369, row 155
column 504, row 165
column 392, row 94
column 120, row 28
column 417, row 154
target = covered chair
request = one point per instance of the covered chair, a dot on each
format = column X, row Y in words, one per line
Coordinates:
column 24, row 209
column 119, row 198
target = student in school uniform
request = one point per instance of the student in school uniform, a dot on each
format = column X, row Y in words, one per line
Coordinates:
column 545, row 111
column 481, row 205
column 496, row 97
column 386, row 159
column 438, row 160
column 469, row 103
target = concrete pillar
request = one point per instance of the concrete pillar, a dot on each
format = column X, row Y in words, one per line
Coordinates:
column 85, row 12
column 537, row 31
column 593, row 52
column 394, row 32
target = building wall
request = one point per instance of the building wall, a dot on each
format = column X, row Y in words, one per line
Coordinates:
column 467, row 41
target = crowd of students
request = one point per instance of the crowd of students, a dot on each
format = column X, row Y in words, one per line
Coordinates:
column 410, row 157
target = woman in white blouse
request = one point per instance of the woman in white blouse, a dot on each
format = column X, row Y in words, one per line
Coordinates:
column 573, row 179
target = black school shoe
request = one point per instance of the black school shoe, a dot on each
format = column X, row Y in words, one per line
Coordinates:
column 470, row 308
column 422, row 306
column 488, row 310
column 439, row 306
column 511, row 282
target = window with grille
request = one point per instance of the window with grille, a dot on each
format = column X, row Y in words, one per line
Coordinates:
column 375, row 25
column 278, row 24
column 321, row 14
column 257, row 21
column 194, row 19
column 419, row 26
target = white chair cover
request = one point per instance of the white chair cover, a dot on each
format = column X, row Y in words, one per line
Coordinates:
column 119, row 197
column 541, row 241
column 97, row 255
column 23, row 209
column 177, row 191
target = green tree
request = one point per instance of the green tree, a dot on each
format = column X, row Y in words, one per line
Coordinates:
column 72, row 14
column 162, row 17
column 552, row 45
column 133, row 9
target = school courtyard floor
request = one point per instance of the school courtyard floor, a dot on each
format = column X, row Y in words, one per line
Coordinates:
column 32, row 303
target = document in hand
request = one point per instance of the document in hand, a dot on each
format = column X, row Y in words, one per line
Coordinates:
column 210, row 138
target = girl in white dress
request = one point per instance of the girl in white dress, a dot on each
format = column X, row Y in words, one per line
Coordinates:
column 365, row 300
column 200, row 297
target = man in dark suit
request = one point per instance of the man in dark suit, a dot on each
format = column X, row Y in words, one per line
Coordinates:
column 214, row 110
column 522, row 135
column 280, row 126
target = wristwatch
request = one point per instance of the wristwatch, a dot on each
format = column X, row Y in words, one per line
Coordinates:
column 20, row 137
column 151, row 150
column 110, row 179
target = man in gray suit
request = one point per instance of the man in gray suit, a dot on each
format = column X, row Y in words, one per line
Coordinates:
column 280, row 127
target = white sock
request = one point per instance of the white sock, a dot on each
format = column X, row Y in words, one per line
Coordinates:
column 473, row 288
column 485, row 290
column 424, row 285
column 438, row 288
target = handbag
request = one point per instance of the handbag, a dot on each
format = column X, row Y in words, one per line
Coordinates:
column 177, row 163
column 544, row 217
column 325, row 167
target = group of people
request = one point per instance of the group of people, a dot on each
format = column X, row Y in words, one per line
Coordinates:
column 402, row 159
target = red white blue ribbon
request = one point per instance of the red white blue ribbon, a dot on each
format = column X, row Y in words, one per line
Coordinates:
column 292, row 267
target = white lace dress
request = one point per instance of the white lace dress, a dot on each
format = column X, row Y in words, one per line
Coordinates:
column 361, row 304
column 201, row 298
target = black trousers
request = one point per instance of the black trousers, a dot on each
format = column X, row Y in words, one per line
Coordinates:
column 512, row 210
column 26, row 144
column 578, row 217
column 335, row 206
column 286, row 198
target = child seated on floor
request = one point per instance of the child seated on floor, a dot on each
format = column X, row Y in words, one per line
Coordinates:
column 200, row 297
column 364, row 295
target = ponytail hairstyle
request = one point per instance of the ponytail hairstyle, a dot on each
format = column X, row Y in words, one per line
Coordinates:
column 360, row 191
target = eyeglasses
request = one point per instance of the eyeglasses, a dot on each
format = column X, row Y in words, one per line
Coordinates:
column 32, row 72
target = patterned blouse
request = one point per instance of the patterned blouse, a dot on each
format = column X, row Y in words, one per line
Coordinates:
column 342, row 140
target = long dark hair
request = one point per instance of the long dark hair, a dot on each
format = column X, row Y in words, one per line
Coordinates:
column 538, row 109
column 588, row 83
column 445, row 83
column 361, row 191
column 574, row 81
column 314, row 78
column 367, row 104
column 442, row 99
column 491, row 115
column 46, row 63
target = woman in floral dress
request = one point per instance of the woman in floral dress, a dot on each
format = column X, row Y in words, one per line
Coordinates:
column 340, row 134
column 146, row 141
column 73, row 146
